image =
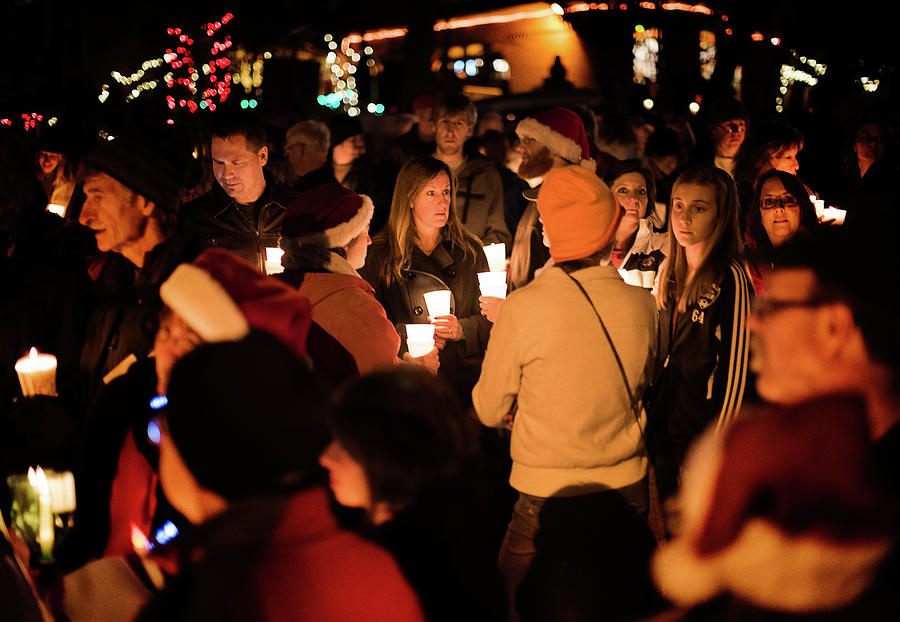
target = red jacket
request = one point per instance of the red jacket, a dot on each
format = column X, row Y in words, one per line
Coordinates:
column 304, row 569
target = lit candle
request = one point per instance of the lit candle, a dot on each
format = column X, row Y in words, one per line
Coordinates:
column 496, row 257
column 273, row 260
column 492, row 284
column 419, row 339
column 59, row 210
column 37, row 373
column 833, row 214
column 438, row 303
column 38, row 481
column 820, row 208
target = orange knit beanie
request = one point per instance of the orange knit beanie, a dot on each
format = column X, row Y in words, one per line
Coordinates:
column 579, row 212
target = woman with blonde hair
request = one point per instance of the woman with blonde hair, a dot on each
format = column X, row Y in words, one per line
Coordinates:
column 424, row 248
column 704, row 303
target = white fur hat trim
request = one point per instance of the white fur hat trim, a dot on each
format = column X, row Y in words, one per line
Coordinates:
column 203, row 304
column 563, row 146
column 344, row 233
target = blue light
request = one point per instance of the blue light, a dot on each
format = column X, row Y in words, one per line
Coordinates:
column 459, row 66
column 158, row 401
column 471, row 67
column 153, row 432
column 166, row 532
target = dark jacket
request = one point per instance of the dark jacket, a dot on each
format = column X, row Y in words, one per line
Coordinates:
column 220, row 223
column 448, row 267
column 321, row 175
column 479, row 200
column 703, row 376
column 123, row 321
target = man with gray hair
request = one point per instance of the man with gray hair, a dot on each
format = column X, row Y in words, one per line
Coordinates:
column 306, row 147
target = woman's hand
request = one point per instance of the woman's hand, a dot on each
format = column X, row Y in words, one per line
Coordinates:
column 430, row 361
column 447, row 327
column 490, row 307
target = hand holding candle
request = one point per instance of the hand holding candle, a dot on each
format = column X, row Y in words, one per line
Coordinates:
column 833, row 215
column 492, row 284
column 448, row 327
column 37, row 373
column 490, row 307
column 419, row 339
column 438, row 303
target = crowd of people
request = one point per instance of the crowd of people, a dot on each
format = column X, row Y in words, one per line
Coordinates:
column 685, row 407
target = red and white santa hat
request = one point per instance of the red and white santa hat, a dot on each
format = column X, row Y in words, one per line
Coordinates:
column 783, row 510
column 222, row 297
column 327, row 215
column 562, row 132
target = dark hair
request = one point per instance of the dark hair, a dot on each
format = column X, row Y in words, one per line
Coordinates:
column 405, row 428
column 623, row 167
column 496, row 146
column 247, row 417
column 767, row 140
column 795, row 187
column 448, row 104
column 232, row 123
column 849, row 160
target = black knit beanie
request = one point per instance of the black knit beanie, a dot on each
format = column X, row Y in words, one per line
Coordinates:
column 343, row 127
column 139, row 169
column 246, row 417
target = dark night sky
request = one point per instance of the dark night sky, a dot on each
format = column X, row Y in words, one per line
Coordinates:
column 55, row 47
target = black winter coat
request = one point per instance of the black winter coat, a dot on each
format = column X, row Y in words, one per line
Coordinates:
column 448, row 267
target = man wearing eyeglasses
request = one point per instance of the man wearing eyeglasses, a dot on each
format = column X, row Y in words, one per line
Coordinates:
column 306, row 149
column 826, row 326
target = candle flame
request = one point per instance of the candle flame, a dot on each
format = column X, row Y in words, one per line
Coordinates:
column 138, row 539
column 40, row 480
column 33, row 353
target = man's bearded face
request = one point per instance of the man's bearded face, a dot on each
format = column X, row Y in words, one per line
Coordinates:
column 536, row 159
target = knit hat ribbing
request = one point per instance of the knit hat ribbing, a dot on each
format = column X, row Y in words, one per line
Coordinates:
column 579, row 212
column 139, row 169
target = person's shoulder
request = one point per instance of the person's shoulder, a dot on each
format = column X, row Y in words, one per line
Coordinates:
column 477, row 163
column 205, row 204
column 737, row 276
column 278, row 191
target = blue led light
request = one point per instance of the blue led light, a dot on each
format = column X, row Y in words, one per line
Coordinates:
column 158, row 401
column 166, row 532
column 153, row 432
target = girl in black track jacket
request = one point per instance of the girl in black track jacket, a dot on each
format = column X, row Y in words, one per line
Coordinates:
column 704, row 304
